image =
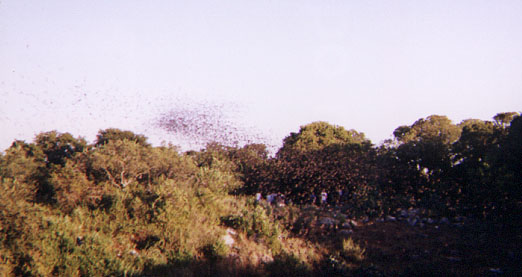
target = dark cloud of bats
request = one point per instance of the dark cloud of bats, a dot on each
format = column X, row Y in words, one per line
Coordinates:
column 200, row 123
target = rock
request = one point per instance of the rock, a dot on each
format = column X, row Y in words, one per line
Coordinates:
column 346, row 232
column 231, row 231
column 266, row 259
column 412, row 221
column 228, row 239
column 340, row 216
column 327, row 222
column 459, row 218
column 413, row 212
column 390, row 218
column 353, row 223
column 454, row 259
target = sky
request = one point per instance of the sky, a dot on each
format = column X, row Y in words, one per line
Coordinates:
column 82, row 66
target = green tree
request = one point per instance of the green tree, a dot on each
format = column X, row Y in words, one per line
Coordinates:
column 425, row 147
column 121, row 161
column 509, row 200
column 321, row 157
column 111, row 134
column 513, row 147
column 72, row 187
column 422, row 159
column 58, row 147
column 504, row 119
column 317, row 135
column 472, row 152
column 474, row 159
column 22, row 162
column 166, row 163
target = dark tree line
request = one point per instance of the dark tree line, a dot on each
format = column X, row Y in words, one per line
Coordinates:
column 472, row 168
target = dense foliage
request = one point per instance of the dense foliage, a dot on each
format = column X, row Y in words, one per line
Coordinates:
column 121, row 206
column 471, row 168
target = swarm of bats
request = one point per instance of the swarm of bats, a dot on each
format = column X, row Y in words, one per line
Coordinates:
column 202, row 123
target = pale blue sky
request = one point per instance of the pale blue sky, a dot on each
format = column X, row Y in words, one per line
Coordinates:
column 81, row 66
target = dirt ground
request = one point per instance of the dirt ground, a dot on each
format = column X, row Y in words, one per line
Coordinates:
column 469, row 249
column 396, row 248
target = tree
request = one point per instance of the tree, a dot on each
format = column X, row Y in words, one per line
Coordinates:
column 473, row 150
column 422, row 160
column 321, row 157
column 488, row 166
column 513, row 147
column 22, row 162
column 72, row 187
column 58, row 147
column 511, row 184
column 111, row 134
column 317, row 135
column 504, row 119
column 424, row 147
column 165, row 162
column 474, row 160
column 121, row 161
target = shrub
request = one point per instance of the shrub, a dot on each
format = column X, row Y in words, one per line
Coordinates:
column 351, row 251
column 286, row 264
column 215, row 250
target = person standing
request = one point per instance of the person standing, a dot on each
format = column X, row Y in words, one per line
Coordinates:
column 324, row 197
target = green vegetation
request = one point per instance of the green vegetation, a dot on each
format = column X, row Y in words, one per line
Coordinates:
column 122, row 207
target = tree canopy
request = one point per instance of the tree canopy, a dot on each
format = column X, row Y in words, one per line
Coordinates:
column 320, row 134
column 104, row 136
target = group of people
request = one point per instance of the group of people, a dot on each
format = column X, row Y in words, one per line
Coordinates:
column 273, row 198
column 323, row 200
column 280, row 200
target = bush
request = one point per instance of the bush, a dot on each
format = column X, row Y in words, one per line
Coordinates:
column 352, row 251
column 215, row 250
column 286, row 264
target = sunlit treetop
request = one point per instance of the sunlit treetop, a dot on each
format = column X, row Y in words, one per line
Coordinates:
column 434, row 126
column 320, row 134
column 504, row 119
column 107, row 135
